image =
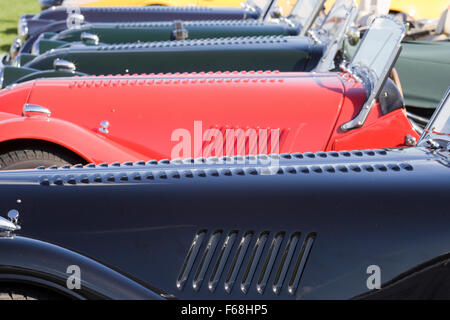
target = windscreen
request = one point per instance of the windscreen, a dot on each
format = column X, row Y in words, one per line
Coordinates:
column 374, row 59
column 303, row 10
column 334, row 19
column 440, row 122
column 267, row 8
column 380, row 46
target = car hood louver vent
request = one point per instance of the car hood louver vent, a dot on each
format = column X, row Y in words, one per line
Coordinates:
column 255, row 259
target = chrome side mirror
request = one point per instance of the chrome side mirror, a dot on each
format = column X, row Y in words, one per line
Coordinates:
column 89, row 39
column 63, row 65
column 353, row 35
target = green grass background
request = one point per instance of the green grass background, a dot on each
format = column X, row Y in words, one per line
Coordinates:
column 10, row 12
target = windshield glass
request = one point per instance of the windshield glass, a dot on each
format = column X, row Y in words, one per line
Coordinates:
column 373, row 61
column 303, row 10
column 338, row 19
column 267, row 8
column 337, row 14
column 377, row 52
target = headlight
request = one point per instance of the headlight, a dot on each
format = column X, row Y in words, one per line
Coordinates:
column 1, row 78
column 15, row 48
column 22, row 28
column 45, row 4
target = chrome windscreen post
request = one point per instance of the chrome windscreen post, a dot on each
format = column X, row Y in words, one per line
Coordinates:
column 436, row 134
column 266, row 14
column 333, row 31
column 374, row 60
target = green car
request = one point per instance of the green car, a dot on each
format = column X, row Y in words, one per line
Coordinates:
column 424, row 70
column 298, row 22
column 284, row 53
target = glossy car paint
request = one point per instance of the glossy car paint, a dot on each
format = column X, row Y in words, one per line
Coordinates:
column 424, row 70
column 39, row 23
column 55, row 19
column 347, row 210
column 45, row 265
column 156, row 13
column 144, row 112
column 115, row 33
column 114, row 3
column 240, row 53
column 285, row 5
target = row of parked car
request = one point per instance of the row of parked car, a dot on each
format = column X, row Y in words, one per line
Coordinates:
column 224, row 152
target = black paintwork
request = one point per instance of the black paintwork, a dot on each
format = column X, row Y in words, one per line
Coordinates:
column 382, row 207
column 35, row 262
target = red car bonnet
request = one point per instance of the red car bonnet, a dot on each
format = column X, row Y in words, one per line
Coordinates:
column 161, row 116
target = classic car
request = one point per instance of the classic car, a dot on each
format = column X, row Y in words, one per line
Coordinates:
column 57, row 19
column 285, row 5
column 45, row 4
column 297, row 22
column 284, row 53
column 127, row 118
column 419, row 9
column 326, row 225
column 32, row 25
column 424, row 69
column 424, row 65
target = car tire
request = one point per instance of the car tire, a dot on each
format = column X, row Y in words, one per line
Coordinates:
column 23, row 293
column 33, row 157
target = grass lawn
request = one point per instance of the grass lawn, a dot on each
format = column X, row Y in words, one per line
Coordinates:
column 10, row 12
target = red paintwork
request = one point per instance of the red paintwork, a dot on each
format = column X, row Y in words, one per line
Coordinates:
column 144, row 111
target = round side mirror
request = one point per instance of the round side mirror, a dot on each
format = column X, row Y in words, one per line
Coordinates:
column 63, row 65
column 89, row 39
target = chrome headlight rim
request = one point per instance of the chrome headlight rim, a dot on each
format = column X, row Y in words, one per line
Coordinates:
column 22, row 28
column 45, row 4
column 15, row 48
column 1, row 77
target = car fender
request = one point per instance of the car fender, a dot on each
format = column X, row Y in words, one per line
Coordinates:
column 44, row 264
column 89, row 145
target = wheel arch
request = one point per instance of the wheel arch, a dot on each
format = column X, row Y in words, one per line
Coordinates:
column 89, row 145
column 9, row 145
column 50, row 266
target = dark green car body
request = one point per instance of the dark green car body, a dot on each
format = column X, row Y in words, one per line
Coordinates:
column 221, row 54
column 266, row 52
column 424, row 70
column 109, row 33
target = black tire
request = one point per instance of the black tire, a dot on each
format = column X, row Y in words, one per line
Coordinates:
column 33, row 157
column 17, row 292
